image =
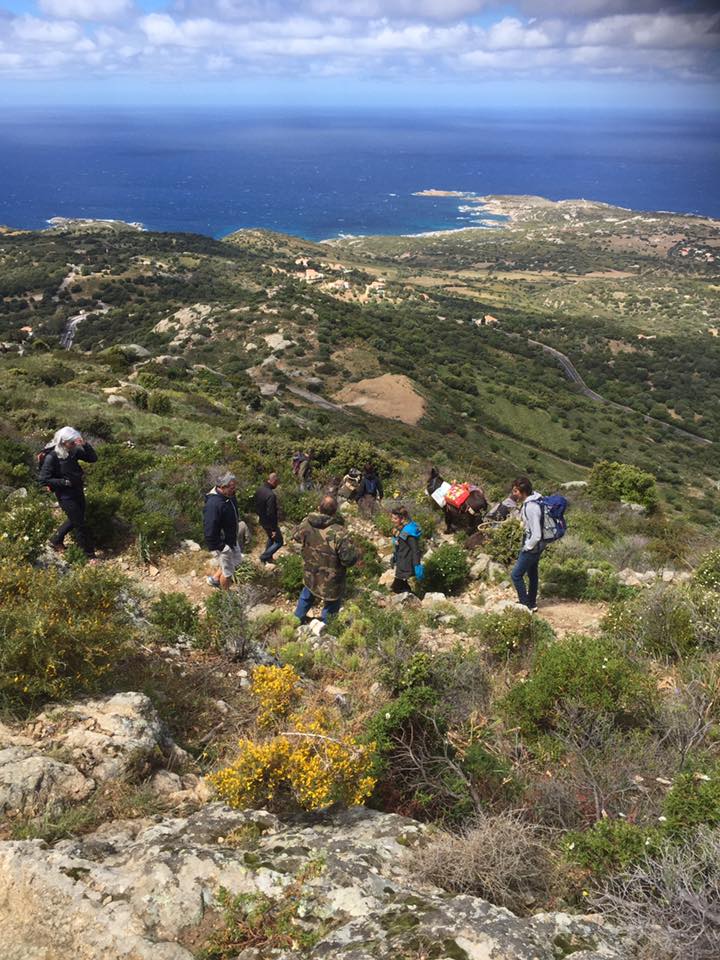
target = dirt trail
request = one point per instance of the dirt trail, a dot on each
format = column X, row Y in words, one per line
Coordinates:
column 569, row 616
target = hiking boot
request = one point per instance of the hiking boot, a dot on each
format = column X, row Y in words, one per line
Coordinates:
column 212, row 582
column 57, row 547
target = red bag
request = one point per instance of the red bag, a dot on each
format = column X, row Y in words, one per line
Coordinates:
column 457, row 494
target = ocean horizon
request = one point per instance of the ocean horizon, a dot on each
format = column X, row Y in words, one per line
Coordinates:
column 321, row 174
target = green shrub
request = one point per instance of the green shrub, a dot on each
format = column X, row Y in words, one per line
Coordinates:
column 503, row 542
column 384, row 523
column 708, row 571
column 511, row 632
column 427, row 519
column 174, row 617
column 615, row 482
column 338, row 454
column 300, row 655
column 15, row 463
column 296, row 504
column 667, row 620
column 140, row 398
column 291, row 574
column 226, row 627
column 103, row 508
column 60, row 634
column 610, row 846
column 24, row 529
column 369, row 566
column 593, row 528
column 692, row 801
column 571, row 579
column 580, row 675
column 159, row 401
column 447, row 569
column 157, row 530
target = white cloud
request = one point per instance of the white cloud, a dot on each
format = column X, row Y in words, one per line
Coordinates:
column 86, row 9
column 511, row 33
column 660, row 31
column 369, row 38
column 37, row 30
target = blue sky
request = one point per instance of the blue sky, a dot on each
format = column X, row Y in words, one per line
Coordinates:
column 621, row 54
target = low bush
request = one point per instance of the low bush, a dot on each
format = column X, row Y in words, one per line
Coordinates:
column 576, row 579
column 384, row 523
column 60, row 635
column 369, row 566
column 415, row 764
column 276, row 690
column 501, row 858
column 24, row 529
column 667, row 621
column 15, row 463
column 174, row 617
column 610, row 846
column 447, row 569
column 708, row 571
column 692, row 801
column 307, row 759
column 594, row 528
column 503, row 542
column 510, row 633
column 671, row 898
column 291, row 574
column 614, row 482
column 226, row 627
column 159, row 402
column 585, row 676
column 296, row 504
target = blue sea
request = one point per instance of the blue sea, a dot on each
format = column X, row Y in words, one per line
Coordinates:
column 322, row 174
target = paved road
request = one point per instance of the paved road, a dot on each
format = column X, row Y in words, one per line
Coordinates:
column 572, row 374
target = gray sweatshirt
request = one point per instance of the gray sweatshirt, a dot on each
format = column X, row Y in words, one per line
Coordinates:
column 531, row 516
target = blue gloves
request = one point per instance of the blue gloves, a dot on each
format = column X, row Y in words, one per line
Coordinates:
column 419, row 571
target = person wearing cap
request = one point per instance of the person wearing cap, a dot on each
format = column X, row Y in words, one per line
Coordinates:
column 220, row 523
column 61, row 473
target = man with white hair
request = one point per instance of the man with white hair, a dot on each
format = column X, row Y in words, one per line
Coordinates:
column 61, row 473
column 220, row 522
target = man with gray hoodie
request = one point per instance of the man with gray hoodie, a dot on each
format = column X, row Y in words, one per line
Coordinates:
column 531, row 515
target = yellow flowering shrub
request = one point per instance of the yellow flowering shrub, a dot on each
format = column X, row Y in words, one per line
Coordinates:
column 60, row 634
column 309, row 764
column 277, row 690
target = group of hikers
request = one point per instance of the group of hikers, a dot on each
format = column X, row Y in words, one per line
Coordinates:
column 327, row 549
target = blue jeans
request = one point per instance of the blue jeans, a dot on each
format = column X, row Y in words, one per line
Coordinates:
column 527, row 565
column 307, row 600
column 274, row 542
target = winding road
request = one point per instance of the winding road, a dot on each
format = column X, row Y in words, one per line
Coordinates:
column 572, row 374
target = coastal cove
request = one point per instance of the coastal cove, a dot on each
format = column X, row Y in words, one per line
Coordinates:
column 327, row 175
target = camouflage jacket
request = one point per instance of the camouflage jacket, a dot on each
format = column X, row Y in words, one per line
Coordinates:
column 327, row 552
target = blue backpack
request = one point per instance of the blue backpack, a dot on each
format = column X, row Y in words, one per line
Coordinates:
column 371, row 485
column 554, row 524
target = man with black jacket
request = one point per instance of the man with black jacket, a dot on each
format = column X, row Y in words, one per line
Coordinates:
column 266, row 506
column 220, row 524
column 61, row 473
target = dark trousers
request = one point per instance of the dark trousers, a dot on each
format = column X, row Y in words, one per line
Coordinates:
column 74, row 510
column 527, row 566
column 400, row 586
column 274, row 542
column 306, row 600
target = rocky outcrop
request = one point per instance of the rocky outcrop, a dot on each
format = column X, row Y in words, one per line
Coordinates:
column 146, row 890
column 65, row 752
column 30, row 783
